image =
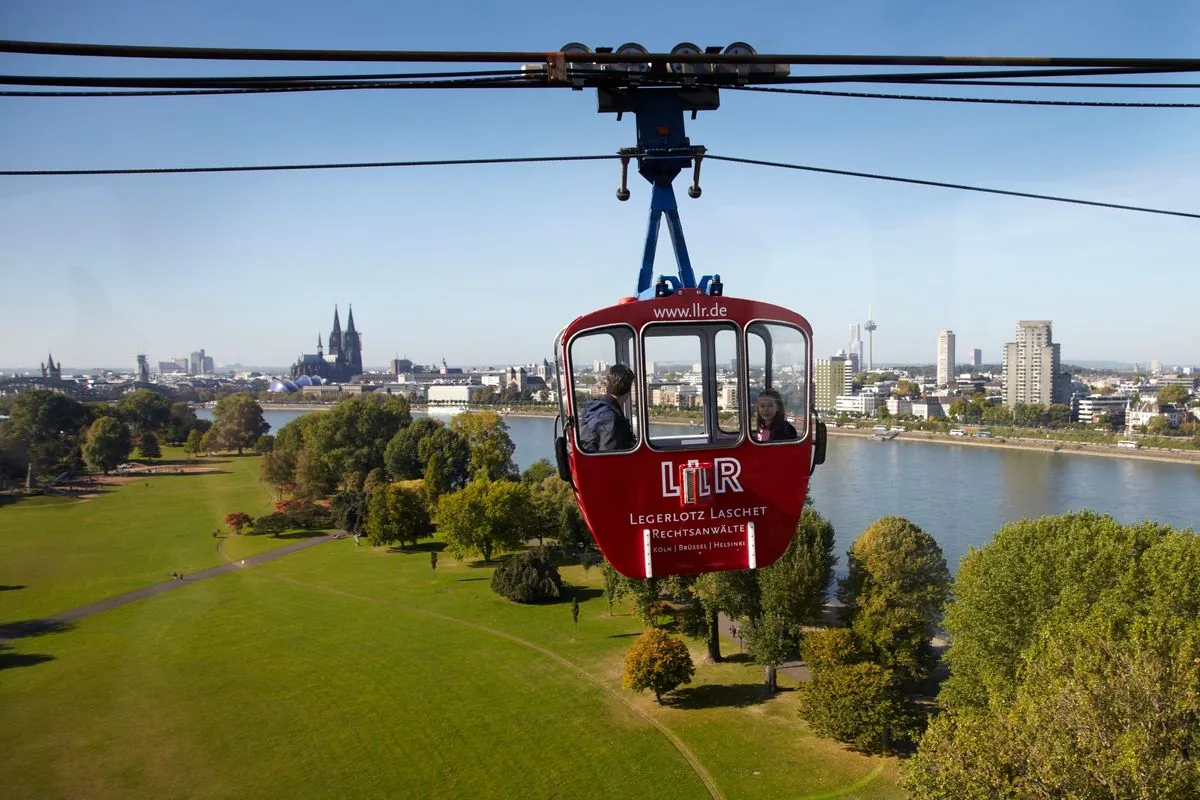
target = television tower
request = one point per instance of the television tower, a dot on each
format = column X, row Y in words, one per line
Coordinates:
column 870, row 327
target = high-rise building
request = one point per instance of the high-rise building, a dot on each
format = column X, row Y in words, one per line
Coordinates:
column 207, row 366
column 832, row 377
column 196, row 362
column 856, row 346
column 143, row 368
column 945, row 358
column 1031, row 367
column 976, row 357
column 870, row 327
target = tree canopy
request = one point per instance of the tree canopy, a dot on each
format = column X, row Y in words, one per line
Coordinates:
column 1075, row 657
column 483, row 518
column 487, row 437
column 238, row 422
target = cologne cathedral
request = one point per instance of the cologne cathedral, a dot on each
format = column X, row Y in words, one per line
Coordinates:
column 342, row 363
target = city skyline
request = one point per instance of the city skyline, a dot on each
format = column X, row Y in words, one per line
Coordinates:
column 110, row 266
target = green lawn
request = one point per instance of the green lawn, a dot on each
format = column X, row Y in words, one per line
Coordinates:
column 354, row 672
column 345, row 671
column 68, row 553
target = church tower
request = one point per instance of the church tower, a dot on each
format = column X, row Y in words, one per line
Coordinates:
column 335, row 337
column 352, row 347
column 49, row 370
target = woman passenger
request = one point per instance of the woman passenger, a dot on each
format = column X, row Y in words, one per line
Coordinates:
column 770, row 424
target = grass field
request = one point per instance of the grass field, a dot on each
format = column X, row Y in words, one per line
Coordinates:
column 68, row 553
column 345, row 671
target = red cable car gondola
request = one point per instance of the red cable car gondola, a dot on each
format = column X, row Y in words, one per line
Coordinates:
column 666, row 497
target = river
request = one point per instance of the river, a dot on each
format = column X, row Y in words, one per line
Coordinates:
column 958, row 493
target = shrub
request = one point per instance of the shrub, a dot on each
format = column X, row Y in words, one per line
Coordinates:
column 657, row 662
column 527, row 578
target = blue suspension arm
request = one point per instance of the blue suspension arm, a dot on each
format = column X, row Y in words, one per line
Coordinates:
column 662, row 152
column 662, row 201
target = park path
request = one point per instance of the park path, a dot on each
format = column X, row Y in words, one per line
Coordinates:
column 32, row 627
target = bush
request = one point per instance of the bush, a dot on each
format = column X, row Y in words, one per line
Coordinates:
column 306, row 514
column 858, row 704
column 527, row 578
column 657, row 662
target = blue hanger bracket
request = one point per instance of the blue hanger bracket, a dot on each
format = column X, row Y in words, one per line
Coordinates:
column 663, row 151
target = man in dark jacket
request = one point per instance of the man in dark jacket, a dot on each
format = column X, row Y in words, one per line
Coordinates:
column 602, row 424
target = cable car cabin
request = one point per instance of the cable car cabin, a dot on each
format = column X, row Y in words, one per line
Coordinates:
column 692, row 484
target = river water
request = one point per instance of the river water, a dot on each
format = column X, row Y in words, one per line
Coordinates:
column 960, row 494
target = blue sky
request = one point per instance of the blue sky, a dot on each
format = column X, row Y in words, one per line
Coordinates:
column 484, row 265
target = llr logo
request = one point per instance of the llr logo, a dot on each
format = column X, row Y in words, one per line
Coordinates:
column 725, row 473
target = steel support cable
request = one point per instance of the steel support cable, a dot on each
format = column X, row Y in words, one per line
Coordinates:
column 718, row 79
column 1064, row 84
column 988, row 100
column 462, row 56
column 445, row 162
column 243, row 81
column 549, row 159
column 536, row 79
column 945, row 185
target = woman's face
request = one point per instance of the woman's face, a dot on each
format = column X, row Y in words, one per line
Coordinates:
column 767, row 408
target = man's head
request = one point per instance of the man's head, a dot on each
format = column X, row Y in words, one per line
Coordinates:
column 620, row 381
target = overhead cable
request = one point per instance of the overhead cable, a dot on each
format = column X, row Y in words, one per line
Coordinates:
column 445, row 162
column 463, row 56
column 989, row 100
column 944, row 185
column 548, row 159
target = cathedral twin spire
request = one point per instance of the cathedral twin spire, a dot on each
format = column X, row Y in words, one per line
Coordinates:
column 346, row 346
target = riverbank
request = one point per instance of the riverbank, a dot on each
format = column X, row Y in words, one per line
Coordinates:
column 1038, row 445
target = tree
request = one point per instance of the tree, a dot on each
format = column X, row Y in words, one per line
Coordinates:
column 445, row 456
column 238, row 422
column 207, row 445
column 312, row 477
column 484, row 517
column 108, row 444
column 487, row 437
column 858, row 704
column 527, row 577
column 148, row 446
column 794, row 587
column 769, row 643
column 790, row 595
column 237, row 521
column 657, row 662
column 906, row 388
column 433, row 559
column 736, row 594
column 538, row 471
column 894, row 592
column 278, row 469
column 402, row 457
column 353, row 436
column 47, row 428
column 396, row 512
column 192, row 446
column 349, row 509
column 1105, row 703
column 1005, row 592
column 1173, row 394
column 180, row 424
column 1158, row 426
column 274, row 524
column 145, row 410
column 614, row 585
column 265, row 444
column 1058, row 415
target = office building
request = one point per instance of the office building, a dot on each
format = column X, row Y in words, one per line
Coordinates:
column 945, row 358
column 1032, row 373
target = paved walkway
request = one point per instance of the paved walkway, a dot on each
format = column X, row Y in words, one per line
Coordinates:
column 56, row 622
